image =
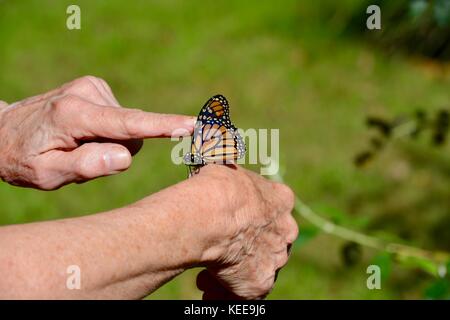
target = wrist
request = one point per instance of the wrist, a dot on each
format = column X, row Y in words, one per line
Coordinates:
column 192, row 224
column 176, row 226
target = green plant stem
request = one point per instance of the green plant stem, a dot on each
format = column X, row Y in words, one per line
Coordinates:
column 334, row 229
column 401, row 251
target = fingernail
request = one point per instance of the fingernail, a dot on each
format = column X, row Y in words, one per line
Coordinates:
column 190, row 122
column 117, row 161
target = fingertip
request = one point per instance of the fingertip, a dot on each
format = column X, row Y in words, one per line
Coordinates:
column 182, row 125
column 117, row 159
column 190, row 121
column 167, row 125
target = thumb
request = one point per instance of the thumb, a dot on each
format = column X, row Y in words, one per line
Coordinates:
column 89, row 161
column 94, row 160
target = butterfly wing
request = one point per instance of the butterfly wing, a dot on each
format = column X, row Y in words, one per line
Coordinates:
column 197, row 138
column 219, row 145
column 216, row 139
column 221, row 142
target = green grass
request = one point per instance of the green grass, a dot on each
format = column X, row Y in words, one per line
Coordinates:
column 281, row 66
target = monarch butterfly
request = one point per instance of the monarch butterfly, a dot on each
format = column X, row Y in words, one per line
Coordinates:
column 215, row 138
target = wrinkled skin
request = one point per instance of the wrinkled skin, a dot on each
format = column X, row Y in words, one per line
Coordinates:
column 229, row 220
column 73, row 134
column 258, row 234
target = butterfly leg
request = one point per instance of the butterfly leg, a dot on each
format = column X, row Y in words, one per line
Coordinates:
column 193, row 170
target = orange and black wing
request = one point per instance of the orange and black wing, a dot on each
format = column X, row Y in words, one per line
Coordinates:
column 221, row 145
column 215, row 139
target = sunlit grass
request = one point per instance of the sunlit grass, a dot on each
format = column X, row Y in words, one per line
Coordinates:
column 279, row 65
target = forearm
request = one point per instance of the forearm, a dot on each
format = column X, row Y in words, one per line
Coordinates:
column 124, row 253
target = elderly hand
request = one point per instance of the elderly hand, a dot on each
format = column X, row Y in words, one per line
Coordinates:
column 255, row 229
column 73, row 134
column 233, row 222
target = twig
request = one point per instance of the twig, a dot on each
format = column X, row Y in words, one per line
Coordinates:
column 401, row 251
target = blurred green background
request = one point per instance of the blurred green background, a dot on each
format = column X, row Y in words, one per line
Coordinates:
column 309, row 68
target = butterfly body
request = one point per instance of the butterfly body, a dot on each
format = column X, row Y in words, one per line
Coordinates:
column 215, row 139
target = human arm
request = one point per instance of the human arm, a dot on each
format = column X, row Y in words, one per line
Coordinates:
column 229, row 220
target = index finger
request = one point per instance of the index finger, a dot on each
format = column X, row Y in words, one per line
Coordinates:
column 88, row 120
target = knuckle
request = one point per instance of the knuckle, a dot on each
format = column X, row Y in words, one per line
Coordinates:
column 90, row 87
column 264, row 284
column 102, row 82
column 129, row 120
column 85, row 83
column 293, row 229
column 61, row 108
column 61, row 104
column 45, row 185
column 294, row 234
column 282, row 260
column 287, row 195
column 84, row 169
column 98, row 82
